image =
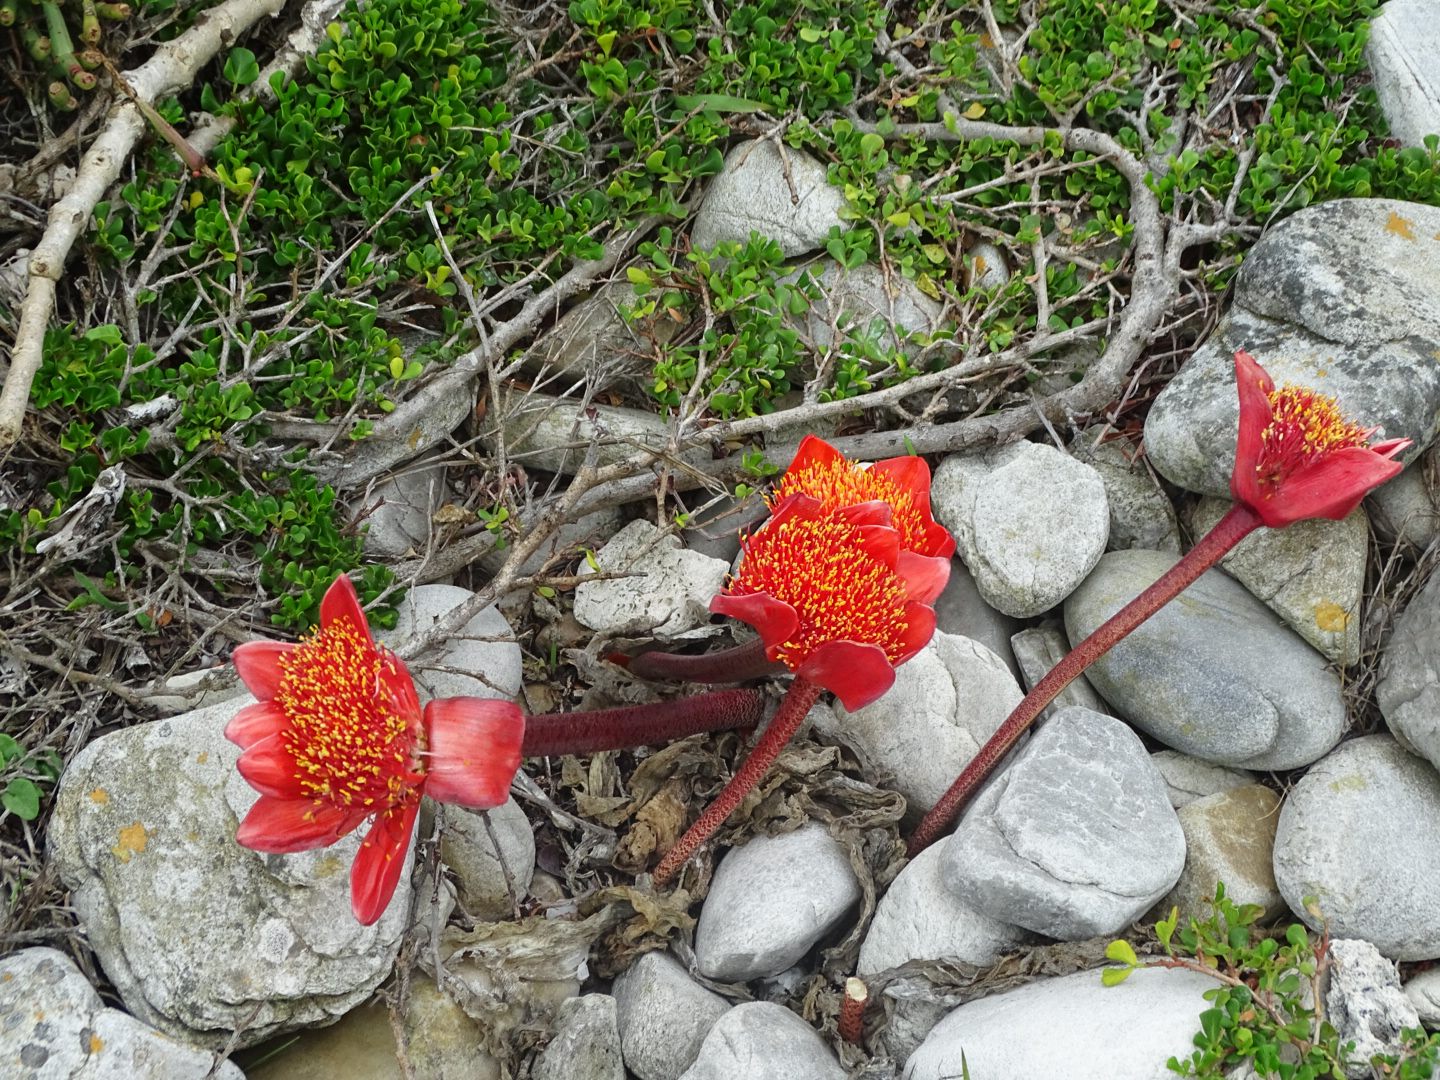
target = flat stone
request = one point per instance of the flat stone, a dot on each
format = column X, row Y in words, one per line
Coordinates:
column 1342, row 296
column 1037, row 650
column 53, row 1026
column 864, row 304
column 1311, row 574
column 1406, row 510
column 763, row 1041
column 1229, row 838
column 918, row 918
column 200, row 936
column 962, row 611
column 1364, row 1001
column 1357, row 833
column 664, row 1016
column 1141, row 514
column 1188, row 778
column 1029, row 521
column 1214, row 673
column 667, row 595
column 1402, row 50
column 947, row 700
column 397, row 511
column 556, row 434
column 1077, row 838
column 479, row 867
column 1423, row 990
column 483, row 660
column 1067, row 1027
column 787, row 199
column 771, row 901
column 1408, row 692
column 586, row 1045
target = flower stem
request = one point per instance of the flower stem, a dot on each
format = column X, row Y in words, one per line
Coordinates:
column 739, row 664
column 1238, row 522
column 787, row 720
column 640, row 725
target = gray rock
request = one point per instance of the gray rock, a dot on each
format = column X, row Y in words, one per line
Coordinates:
column 1409, row 688
column 962, row 611
column 1230, row 838
column 1402, row 51
column 1077, row 838
column 1311, row 574
column 771, row 901
column 987, row 267
column 763, row 1041
column 718, row 530
column 421, row 423
column 483, row 660
column 443, row 1042
column 1342, row 296
column 595, row 341
column 1406, row 509
column 1029, row 521
column 397, row 510
column 1188, row 778
column 918, row 918
column 1067, row 1028
column 664, row 1016
column 586, row 1045
column 946, row 701
column 753, row 193
column 476, row 862
column 1214, row 673
column 1364, row 1001
column 1423, row 990
column 668, row 593
column 200, row 936
column 1357, row 833
column 556, row 434
column 1039, row 649
column 53, row 1026
column 1141, row 515
column 866, row 304
column 196, row 689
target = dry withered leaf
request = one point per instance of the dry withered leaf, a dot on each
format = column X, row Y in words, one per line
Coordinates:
column 658, row 825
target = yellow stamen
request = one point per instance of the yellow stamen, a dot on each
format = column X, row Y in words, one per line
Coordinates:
column 839, row 483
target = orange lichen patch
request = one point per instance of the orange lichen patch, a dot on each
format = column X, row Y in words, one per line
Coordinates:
column 202, row 757
column 1304, row 425
column 1331, row 617
column 838, row 590
column 132, row 841
column 839, row 483
column 96, row 1043
column 1399, row 226
column 350, row 744
column 99, row 796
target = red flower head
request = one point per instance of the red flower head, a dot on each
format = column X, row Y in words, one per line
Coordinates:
column 1297, row 457
column 901, row 483
column 830, row 598
column 338, row 736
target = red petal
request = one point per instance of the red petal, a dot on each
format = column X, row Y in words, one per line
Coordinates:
column 1254, row 387
column 868, row 513
column 269, row 767
column 1331, row 487
column 881, row 543
column 341, row 604
column 775, row 620
column 857, row 674
column 919, row 629
column 925, row 576
column 909, row 472
column 813, row 450
column 399, row 687
column 256, row 722
column 797, row 505
column 938, row 541
column 258, row 665
column 282, row 826
column 381, row 861
column 474, row 750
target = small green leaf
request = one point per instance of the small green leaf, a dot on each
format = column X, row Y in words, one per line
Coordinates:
column 1114, row 976
column 720, row 103
column 1122, row 953
column 241, row 68
column 871, row 144
column 22, row 798
column 810, row 35
column 9, row 749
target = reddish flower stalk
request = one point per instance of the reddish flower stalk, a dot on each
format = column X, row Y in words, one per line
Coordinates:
column 740, row 664
column 851, row 1025
column 640, row 725
column 1296, row 458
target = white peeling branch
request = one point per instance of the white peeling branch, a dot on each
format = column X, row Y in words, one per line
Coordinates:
column 172, row 68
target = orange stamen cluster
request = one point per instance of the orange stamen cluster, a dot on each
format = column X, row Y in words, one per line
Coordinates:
column 352, row 747
column 1304, row 425
column 839, row 591
column 840, row 483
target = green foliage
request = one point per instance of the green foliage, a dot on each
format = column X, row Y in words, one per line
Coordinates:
column 1260, row 1012
column 29, row 774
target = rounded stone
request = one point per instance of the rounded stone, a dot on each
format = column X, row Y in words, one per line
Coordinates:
column 1229, row 838
column 482, row 660
column 763, row 1041
column 664, row 1016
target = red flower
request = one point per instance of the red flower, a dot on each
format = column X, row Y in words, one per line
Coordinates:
column 338, row 736
column 1297, row 457
column 902, row 483
column 830, row 596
